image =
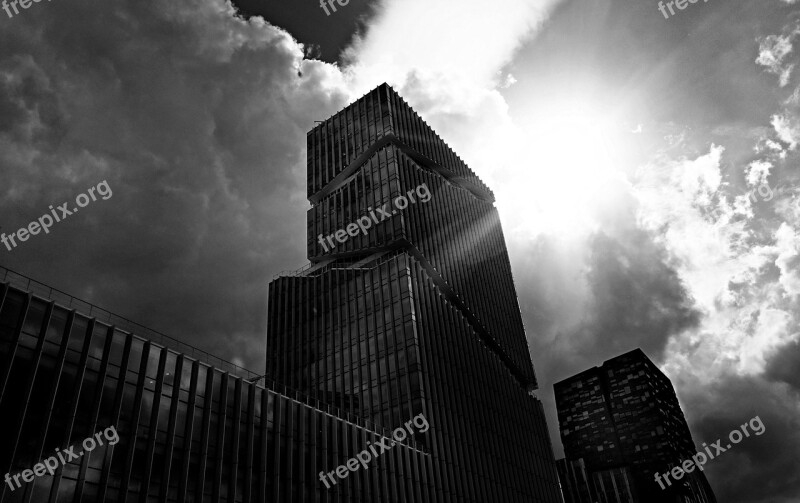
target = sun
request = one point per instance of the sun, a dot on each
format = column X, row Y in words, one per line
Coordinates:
column 569, row 176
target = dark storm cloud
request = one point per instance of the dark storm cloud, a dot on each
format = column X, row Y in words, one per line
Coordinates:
column 324, row 36
column 633, row 297
column 639, row 300
column 784, row 365
column 29, row 109
column 760, row 468
column 197, row 121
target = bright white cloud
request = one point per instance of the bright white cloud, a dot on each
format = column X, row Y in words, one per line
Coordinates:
column 773, row 50
column 757, row 173
column 787, row 128
column 460, row 43
column 788, row 260
column 724, row 262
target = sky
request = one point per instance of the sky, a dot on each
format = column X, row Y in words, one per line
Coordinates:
column 646, row 171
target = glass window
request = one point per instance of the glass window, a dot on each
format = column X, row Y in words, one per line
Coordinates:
column 78, row 333
column 98, row 341
column 117, row 350
column 110, row 388
column 186, row 378
column 58, row 323
column 152, row 362
column 9, row 318
column 169, row 371
column 34, row 317
column 66, row 490
column 135, row 360
column 215, row 387
column 202, row 378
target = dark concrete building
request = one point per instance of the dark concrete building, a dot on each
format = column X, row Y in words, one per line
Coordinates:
column 413, row 321
column 620, row 424
column 579, row 485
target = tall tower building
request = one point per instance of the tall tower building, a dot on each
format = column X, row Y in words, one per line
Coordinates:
column 620, row 424
column 408, row 307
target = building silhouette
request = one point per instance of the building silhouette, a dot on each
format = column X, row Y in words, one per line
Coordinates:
column 620, row 424
column 414, row 318
column 416, row 314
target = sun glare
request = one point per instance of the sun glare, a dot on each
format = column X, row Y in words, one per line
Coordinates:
column 569, row 175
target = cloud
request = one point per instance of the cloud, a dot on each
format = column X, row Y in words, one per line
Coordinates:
column 788, row 259
column 471, row 41
column 735, row 250
column 701, row 273
column 620, row 294
column 757, row 173
column 637, row 300
column 760, row 468
column 773, row 51
column 197, row 120
column 777, row 54
column 788, row 129
column 783, row 365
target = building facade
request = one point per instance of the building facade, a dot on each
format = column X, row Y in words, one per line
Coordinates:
column 622, row 421
column 188, row 428
column 408, row 305
column 579, row 485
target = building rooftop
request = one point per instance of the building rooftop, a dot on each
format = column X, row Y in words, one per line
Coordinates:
column 608, row 363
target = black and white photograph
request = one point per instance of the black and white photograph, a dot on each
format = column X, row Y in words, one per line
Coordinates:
column 385, row 251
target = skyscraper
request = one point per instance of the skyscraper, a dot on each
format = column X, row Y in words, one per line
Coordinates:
column 620, row 424
column 408, row 305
